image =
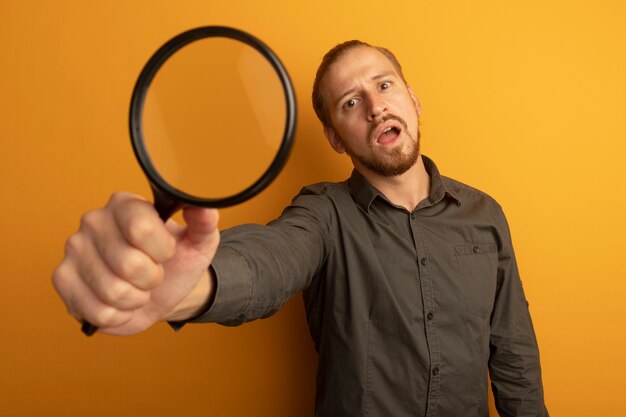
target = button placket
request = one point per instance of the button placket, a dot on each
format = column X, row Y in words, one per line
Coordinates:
column 428, row 303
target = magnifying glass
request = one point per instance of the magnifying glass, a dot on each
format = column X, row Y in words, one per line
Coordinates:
column 212, row 120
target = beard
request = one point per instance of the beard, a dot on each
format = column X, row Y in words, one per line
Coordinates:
column 388, row 162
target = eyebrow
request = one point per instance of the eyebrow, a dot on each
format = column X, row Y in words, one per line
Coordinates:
column 374, row 78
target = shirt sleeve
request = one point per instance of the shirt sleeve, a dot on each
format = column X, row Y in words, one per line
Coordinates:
column 514, row 365
column 258, row 268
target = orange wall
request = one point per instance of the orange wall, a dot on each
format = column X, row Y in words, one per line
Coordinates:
column 525, row 100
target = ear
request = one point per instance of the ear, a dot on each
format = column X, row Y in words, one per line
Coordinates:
column 334, row 139
column 418, row 106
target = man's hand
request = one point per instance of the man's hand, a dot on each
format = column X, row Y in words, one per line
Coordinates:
column 125, row 269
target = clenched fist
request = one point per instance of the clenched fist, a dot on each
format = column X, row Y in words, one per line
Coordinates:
column 124, row 269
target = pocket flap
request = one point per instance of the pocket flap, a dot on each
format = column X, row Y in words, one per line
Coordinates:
column 474, row 249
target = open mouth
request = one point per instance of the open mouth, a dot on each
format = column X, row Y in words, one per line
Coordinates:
column 388, row 135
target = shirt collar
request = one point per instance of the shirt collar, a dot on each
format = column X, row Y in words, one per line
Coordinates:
column 364, row 193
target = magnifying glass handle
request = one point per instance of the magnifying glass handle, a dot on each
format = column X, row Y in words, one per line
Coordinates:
column 88, row 329
column 164, row 204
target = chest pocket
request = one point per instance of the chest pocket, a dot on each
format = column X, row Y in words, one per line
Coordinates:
column 478, row 264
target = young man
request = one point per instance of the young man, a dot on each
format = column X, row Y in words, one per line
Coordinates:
column 411, row 286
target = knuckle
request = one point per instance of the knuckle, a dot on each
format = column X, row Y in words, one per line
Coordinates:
column 73, row 244
column 150, row 279
column 117, row 292
column 105, row 316
column 59, row 278
column 140, row 230
column 153, row 279
column 132, row 265
column 89, row 221
column 124, row 296
column 118, row 197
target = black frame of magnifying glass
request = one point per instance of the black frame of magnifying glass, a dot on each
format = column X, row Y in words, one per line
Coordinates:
column 167, row 198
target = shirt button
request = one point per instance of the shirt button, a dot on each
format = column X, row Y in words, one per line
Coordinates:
column 412, row 216
column 423, row 261
column 435, row 371
column 430, row 315
column 476, row 249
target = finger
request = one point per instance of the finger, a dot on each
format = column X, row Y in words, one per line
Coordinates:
column 124, row 260
column 99, row 230
column 109, row 287
column 141, row 226
column 202, row 231
column 82, row 303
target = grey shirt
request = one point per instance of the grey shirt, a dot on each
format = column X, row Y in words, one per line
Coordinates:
column 409, row 311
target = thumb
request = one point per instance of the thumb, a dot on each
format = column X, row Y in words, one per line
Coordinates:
column 202, row 228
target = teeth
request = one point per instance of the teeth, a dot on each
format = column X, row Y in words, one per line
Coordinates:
column 387, row 130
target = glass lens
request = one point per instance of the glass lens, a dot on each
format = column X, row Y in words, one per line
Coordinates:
column 214, row 118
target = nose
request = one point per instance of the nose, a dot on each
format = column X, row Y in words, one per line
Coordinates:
column 377, row 107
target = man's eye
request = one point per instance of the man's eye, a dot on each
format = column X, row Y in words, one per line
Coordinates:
column 385, row 85
column 350, row 103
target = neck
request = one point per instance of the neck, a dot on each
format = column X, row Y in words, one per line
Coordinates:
column 406, row 189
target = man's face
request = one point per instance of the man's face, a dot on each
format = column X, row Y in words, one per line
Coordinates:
column 374, row 114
